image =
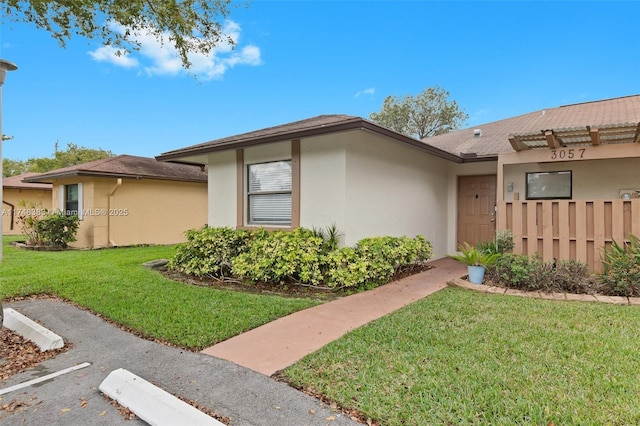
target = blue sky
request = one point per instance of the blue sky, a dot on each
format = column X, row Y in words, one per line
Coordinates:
column 296, row 60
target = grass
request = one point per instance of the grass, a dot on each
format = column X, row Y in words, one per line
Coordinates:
column 113, row 283
column 460, row 357
column 456, row 357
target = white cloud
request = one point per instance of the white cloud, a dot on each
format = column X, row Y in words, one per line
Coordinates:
column 369, row 92
column 110, row 54
column 156, row 58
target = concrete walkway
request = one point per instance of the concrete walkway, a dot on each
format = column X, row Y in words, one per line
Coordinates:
column 278, row 344
column 243, row 396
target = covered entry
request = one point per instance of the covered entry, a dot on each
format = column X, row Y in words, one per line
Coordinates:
column 569, row 193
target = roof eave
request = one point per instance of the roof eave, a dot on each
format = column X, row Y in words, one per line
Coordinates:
column 83, row 173
column 351, row 124
column 26, row 187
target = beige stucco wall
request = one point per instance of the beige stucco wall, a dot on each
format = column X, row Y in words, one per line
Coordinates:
column 41, row 199
column 145, row 211
column 156, row 211
column 323, row 181
column 591, row 179
column 365, row 184
column 395, row 189
column 84, row 236
column 222, row 205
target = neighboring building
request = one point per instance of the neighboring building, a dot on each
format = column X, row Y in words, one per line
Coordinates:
column 369, row 180
column 20, row 198
column 127, row 200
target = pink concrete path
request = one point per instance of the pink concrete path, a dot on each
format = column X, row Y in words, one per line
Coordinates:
column 278, row 344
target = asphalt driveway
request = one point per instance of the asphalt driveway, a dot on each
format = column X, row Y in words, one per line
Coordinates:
column 235, row 392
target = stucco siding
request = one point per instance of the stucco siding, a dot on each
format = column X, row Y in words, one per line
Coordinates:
column 269, row 152
column 591, row 179
column 155, row 211
column 394, row 189
column 130, row 212
column 364, row 183
column 323, row 181
column 222, row 205
column 40, row 199
column 85, row 234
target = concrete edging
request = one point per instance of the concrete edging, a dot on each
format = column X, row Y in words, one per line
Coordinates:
column 617, row 300
column 31, row 330
column 152, row 404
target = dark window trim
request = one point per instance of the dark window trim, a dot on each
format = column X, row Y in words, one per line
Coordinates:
column 550, row 197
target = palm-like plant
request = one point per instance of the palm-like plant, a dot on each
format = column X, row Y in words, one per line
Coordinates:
column 472, row 256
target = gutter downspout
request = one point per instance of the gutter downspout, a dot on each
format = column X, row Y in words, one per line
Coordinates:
column 13, row 209
column 113, row 191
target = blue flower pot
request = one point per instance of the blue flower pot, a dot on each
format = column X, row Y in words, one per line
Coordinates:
column 476, row 274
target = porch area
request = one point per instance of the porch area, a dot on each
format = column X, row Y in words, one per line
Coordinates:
column 580, row 192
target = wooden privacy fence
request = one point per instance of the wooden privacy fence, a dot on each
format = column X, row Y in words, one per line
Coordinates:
column 569, row 229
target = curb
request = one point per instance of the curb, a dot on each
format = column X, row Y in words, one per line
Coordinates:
column 31, row 330
column 615, row 300
column 152, row 404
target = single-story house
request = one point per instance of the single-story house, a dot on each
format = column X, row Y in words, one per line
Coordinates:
column 22, row 199
column 462, row 186
column 129, row 200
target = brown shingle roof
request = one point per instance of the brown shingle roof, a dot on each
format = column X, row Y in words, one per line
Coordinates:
column 494, row 137
column 15, row 182
column 127, row 166
column 314, row 126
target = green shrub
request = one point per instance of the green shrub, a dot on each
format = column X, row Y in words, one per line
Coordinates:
column 373, row 261
column 503, row 243
column 301, row 256
column 621, row 276
column 57, row 229
column 533, row 274
column 281, row 257
column 30, row 213
column 209, row 251
column 330, row 236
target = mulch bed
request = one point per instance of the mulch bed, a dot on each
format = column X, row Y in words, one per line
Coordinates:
column 287, row 289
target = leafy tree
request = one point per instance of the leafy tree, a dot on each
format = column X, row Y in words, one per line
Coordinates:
column 428, row 114
column 190, row 25
column 13, row 167
column 73, row 155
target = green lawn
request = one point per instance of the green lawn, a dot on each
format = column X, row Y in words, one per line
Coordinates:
column 113, row 283
column 456, row 357
column 460, row 357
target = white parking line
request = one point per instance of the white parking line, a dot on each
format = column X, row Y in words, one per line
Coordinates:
column 43, row 378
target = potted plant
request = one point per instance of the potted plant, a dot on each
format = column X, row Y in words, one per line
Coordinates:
column 476, row 261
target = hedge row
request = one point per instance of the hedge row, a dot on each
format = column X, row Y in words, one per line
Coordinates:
column 300, row 256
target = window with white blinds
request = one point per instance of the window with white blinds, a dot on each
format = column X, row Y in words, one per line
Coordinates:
column 269, row 193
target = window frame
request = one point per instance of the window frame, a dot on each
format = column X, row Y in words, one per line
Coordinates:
column 559, row 195
column 64, row 190
column 241, row 213
column 250, row 194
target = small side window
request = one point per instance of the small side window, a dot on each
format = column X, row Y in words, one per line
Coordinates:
column 71, row 199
